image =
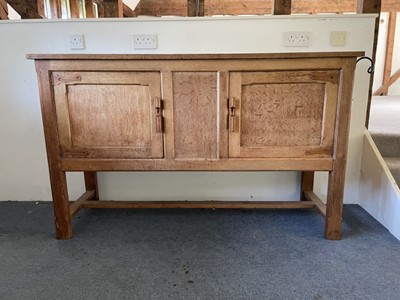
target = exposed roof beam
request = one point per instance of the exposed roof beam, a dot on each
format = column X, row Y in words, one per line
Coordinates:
column 128, row 12
column 195, row 8
column 390, row 5
column 74, row 6
column 3, row 10
column 27, row 9
column 161, row 8
column 89, row 8
column 389, row 50
column 281, row 7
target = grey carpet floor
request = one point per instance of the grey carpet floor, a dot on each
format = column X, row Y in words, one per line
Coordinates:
column 194, row 254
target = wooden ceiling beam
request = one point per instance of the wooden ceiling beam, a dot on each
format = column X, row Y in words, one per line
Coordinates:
column 281, row 7
column 89, row 9
column 113, row 9
column 55, row 9
column 195, row 8
column 387, row 71
column 390, row 6
column 3, row 10
column 27, row 9
column 161, row 8
column 128, row 12
column 233, row 7
column 74, row 7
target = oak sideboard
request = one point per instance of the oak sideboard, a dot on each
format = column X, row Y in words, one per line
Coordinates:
column 207, row 112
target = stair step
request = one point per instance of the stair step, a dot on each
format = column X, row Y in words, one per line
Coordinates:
column 388, row 144
column 393, row 164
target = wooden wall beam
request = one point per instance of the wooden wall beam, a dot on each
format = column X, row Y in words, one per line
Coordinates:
column 390, row 5
column 281, row 7
column 74, row 7
column 3, row 10
column 161, row 8
column 89, row 8
column 128, row 12
column 323, row 6
column 40, row 8
column 27, row 9
column 195, row 8
column 392, row 80
column 368, row 7
column 113, row 9
column 241, row 7
column 387, row 71
column 55, row 9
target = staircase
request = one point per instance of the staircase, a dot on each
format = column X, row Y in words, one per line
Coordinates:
column 384, row 127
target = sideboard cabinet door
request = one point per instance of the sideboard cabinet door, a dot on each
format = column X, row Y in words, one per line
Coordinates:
column 282, row 113
column 109, row 114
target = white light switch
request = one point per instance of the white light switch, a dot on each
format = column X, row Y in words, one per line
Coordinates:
column 338, row 38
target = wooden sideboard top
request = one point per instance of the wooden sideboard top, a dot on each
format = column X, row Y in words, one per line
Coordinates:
column 194, row 56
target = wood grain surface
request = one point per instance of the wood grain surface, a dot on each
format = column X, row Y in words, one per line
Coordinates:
column 282, row 114
column 108, row 114
column 195, row 114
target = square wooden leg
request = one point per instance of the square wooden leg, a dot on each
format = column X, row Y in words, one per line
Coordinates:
column 62, row 214
column 334, row 205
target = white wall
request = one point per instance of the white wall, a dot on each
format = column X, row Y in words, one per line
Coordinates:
column 23, row 165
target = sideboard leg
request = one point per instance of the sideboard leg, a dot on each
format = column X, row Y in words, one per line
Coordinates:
column 91, row 184
column 334, row 205
column 307, row 184
column 62, row 214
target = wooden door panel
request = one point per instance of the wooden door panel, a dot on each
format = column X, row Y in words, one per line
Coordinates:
column 108, row 114
column 195, row 115
column 114, row 116
column 283, row 114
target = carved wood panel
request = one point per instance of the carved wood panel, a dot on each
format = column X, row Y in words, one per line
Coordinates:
column 283, row 114
column 195, row 115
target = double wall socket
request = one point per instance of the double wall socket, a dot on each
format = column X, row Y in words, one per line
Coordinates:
column 145, row 41
column 76, row 41
column 297, row 39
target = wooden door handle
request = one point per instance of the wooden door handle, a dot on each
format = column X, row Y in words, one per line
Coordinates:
column 158, row 114
column 232, row 114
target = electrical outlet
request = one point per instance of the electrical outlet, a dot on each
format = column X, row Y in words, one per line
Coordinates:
column 145, row 41
column 76, row 41
column 338, row 38
column 297, row 39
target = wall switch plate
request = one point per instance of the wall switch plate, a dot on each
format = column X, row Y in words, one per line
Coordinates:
column 297, row 39
column 145, row 41
column 76, row 41
column 338, row 38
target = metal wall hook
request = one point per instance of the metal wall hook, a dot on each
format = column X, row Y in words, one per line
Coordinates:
column 371, row 69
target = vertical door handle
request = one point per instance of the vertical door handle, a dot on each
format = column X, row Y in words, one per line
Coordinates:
column 158, row 114
column 232, row 114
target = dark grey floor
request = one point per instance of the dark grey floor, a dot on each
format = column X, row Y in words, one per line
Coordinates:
column 195, row 254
